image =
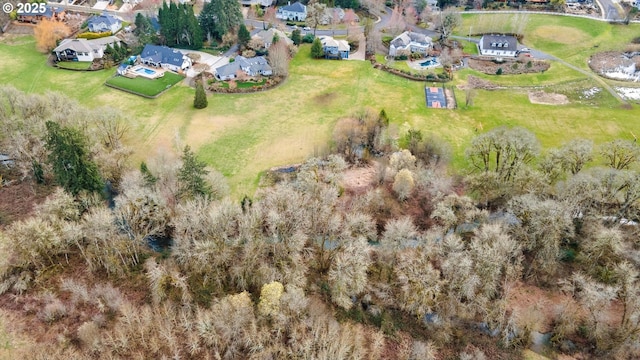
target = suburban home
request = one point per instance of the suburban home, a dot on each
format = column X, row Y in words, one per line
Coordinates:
column 35, row 15
column 292, row 12
column 408, row 43
column 104, row 23
column 83, row 49
column 266, row 37
column 251, row 66
column 165, row 57
column 334, row 49
column 498, row 45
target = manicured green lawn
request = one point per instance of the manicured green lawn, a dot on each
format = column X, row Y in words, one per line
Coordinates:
column 74, row 65
column 242, row 135
column 141, row 85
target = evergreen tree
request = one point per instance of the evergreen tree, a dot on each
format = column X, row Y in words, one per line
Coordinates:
column 69, row 157
column 243, row 36
column 143, row 25
column 148, row 177
column 316, row 49
column 191, row 176
column 219, row 17
column 296, row 37
column 200, row 100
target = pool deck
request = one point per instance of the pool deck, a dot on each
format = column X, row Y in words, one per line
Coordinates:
column 132, row 73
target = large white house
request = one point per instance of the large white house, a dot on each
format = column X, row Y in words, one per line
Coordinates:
column 498, row 45
column 165, row 57
column 292, row 12
column 408, row 43
column 83, row 49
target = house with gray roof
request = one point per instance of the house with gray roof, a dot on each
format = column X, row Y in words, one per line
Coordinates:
column 83, row 49
column 251, row 66
column 498, row 46
column 104, row 23
column 266, row 37
column 165, row 57
column 408, row 43
column 292, row 12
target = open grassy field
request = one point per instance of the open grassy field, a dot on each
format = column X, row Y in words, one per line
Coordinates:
column 74, row 65
column 572, row 39
column 146, row 86
column 244, row 134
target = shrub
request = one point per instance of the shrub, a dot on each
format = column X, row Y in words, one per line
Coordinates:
column 92, row 35
column 231, row 60
column 401, row 57
column 514, row 66
column 529, row 64
column 308, row 38
column 499, row 71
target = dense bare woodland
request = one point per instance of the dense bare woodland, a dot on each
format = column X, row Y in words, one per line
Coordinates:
column 415, row 264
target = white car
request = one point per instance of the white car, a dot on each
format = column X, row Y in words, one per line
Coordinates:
column 306, row 28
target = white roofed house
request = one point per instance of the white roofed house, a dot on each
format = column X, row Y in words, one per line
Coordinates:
column 83, row 49
column 498, row 45
column 292, row 12
column 251, row 66
column 334, row 49
column 408, row 43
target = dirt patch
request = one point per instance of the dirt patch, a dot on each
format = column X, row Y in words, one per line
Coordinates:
column 359, row 179
column 541, row 97
column 521, row 65
column 474, row 82
column 617, row 65
column 325, row 99
column 18, row 199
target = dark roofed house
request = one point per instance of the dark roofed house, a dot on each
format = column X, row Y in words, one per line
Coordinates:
column 292, row 12
column 165, row 57
column 251, row 66
column 35, row 15
column 498, row 45
column 104, row 23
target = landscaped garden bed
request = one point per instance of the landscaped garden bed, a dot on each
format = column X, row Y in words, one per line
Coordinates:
column 145, row 87
column 243, row 86
column 523, row 65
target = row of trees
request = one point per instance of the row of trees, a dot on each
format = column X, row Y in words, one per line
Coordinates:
column 179, row 26
column 269, row 272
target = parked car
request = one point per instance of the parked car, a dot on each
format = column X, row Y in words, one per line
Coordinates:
column 306, row 28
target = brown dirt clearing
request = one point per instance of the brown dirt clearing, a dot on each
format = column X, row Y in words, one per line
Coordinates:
column 359, row 179
column 541, row 97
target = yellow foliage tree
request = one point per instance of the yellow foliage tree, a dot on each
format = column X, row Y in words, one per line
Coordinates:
column 270, row 295
column 48, row 32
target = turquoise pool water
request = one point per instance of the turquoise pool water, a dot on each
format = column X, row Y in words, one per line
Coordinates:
column 146, row 71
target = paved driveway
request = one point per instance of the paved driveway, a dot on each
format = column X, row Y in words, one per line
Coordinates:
column 211, row 61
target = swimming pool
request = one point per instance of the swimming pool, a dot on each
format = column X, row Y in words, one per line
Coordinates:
column 145, row 71
column 430, row 62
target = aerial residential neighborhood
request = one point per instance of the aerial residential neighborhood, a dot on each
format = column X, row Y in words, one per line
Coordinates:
column 347, row 179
